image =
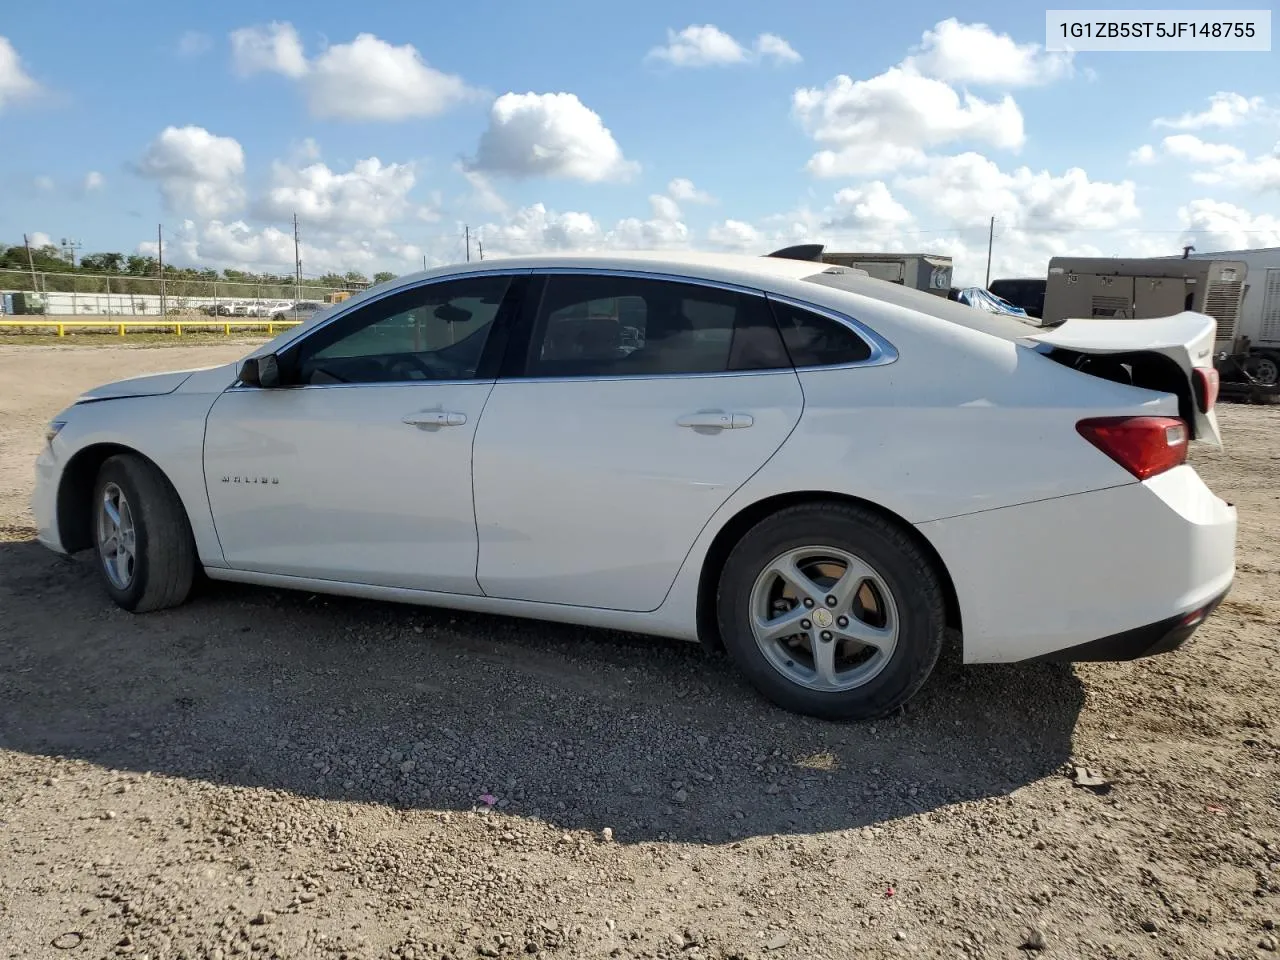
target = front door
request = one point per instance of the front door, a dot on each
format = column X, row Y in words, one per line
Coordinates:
column 635, row 409
column 358, row 469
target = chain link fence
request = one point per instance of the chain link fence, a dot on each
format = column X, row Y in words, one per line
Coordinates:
column 120, row 295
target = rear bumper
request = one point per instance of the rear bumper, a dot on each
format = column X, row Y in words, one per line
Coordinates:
column 1046, row 580
column 1164, row 636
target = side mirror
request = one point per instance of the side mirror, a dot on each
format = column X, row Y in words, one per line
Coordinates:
column 261, row 371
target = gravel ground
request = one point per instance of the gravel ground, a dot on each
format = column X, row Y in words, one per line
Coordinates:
column 272, row 774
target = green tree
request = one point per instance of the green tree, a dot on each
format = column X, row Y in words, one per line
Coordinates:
column 102, row 262
column 382, row 276
column 139, row 266
column 355, row 276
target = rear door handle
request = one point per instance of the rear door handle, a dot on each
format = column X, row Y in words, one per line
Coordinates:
column 436, row 418
column 716, row 420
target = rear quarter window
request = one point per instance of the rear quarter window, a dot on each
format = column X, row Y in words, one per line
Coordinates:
column 814, row 340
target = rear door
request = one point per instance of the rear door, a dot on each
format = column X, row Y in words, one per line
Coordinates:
column 631, row 409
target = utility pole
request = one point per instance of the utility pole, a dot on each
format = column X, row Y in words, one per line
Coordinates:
column 297, row 268
column 468, row 229
column 991, row 234
column 70, row 247
column 30, row 262
column 480, row 243
column 424, row 262
column 160, row 258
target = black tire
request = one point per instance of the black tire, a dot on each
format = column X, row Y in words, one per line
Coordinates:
column 905, row 569
column 164, row 562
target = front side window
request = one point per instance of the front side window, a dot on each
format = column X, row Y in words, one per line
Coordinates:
column 433, row 332
column 601, row 325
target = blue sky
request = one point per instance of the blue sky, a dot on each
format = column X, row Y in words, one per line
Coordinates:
column 388, row 127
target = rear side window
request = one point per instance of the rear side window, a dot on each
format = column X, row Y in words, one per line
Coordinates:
column 600, row 325
column 813, row 340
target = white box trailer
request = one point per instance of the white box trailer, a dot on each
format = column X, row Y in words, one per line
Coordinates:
column 1256, row 346
column 921, row 271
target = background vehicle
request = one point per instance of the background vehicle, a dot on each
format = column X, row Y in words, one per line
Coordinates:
column 819, row 471
column 1027, row 293
column 929, row 272
column 1255, row 350
column 920, row 271
column 301, row 310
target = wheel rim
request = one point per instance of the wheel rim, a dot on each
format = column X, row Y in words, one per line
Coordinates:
column 117, row 539
column 1266, row 371
column 824, row 618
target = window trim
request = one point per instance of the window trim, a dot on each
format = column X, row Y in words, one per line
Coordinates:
column 882, row 351
column 515, row 273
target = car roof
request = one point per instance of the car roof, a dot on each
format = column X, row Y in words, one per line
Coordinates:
column 731, row 268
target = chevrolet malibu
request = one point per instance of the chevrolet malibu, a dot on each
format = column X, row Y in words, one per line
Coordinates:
column 824, row 474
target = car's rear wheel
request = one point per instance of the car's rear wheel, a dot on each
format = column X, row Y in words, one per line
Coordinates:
column 145, row 551
column 832, row 610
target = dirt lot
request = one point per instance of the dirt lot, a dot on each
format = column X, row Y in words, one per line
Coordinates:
column 269, row 774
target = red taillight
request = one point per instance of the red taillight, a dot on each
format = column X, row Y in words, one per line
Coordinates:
column 1206, row 381
column 1144, row 446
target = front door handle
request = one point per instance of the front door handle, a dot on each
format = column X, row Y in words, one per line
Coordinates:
column 436, row 418
column 716, row 420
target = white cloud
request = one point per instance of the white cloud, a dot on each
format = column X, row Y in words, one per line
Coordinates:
column 770, row 46
column 15, row 83
column 1227, row 164
column 535, row 229
column 1213, row 225
column 886, row 122
column 93, row 180
column 268, row 48
column 869, row 207
column 682, row 189
column 238, row 245
column 1259, row 174
column 370, row 194
column 974, row 53
column 1225, row 110
column 198, row 172
column 970, row 188
column 706, row 45
column 549, row 135
column 483, row 193
column 44, row 183
column 659, row 233
column 664, row 208
column 366, row 79
column 697, row 45
column 193, row 43
column 1143, row 156
column 369, row 79
column 735, row 235
column 39, row 239
column 1187, row 146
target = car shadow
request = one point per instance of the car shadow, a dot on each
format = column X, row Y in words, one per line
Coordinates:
column 420, row 708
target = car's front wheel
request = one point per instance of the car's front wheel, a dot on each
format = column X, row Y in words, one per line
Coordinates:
column 146, row 554
column 831, row 610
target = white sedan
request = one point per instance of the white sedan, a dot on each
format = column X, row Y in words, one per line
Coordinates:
column 820, row 472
